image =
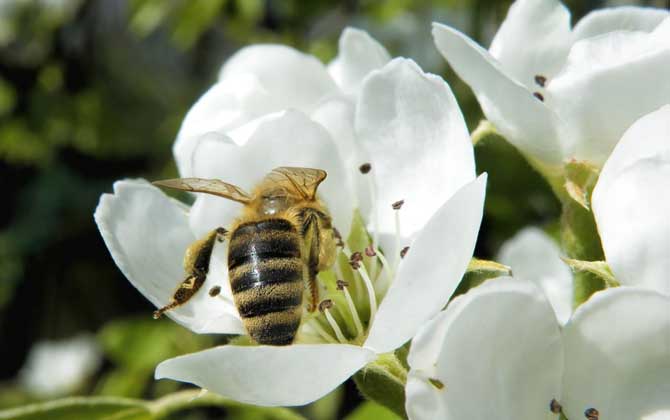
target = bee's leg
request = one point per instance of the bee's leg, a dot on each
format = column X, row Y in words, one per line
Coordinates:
column 311, row 238
column 313, row 290
column 196, row 265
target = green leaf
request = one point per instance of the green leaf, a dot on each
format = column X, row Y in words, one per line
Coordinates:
column 141, row 343
column 372, row 411
column 94, row 408
column 580, row 178
column 383, row 381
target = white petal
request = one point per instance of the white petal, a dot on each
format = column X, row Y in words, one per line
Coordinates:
column 358, row 55
column 609, row 82
column 410, row 125
column 525, row 121
column 289, row 140
column 617, row 352
column 147, row 234
column 432, row 269
column 298, row 79
column 535, row 257
column 542, row 27
column 267, row 375
column 631, row 204
column 336, row 115
column 225, row 106
column 56, row 368
column 625, row 18
column 497, row 350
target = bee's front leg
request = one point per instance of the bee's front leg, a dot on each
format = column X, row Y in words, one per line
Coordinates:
column 196, row 265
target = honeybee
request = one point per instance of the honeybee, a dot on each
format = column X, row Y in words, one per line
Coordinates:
column 278, row 245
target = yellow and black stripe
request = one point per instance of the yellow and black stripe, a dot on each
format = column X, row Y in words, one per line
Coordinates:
column 266, row 277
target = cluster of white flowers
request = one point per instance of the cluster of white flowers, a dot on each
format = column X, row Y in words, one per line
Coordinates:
column 386, row 132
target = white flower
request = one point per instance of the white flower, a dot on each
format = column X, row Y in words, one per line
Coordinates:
column 498, row 352
column 403, row 122
column 631, row 204
column 59, row 367
column 535, row 257
column 558, row 93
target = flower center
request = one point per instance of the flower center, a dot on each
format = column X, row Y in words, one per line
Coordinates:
column 356, row 282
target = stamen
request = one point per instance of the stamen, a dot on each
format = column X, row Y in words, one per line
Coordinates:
column 374, row 216
column 214, row 291
column 370, row 251
column 539, row 96
column 540, row 80
column 342, row 285
column 385, row 265
column 324, row 307
column 403, row 252
column 365, row 168
column 355, row 260
column 368, row 284
column 555, row 407
column 319, row 329
column 591, row 414
column 396, row 206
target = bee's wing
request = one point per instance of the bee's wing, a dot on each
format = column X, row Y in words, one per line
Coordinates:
column 209, row 186
column 303, row 180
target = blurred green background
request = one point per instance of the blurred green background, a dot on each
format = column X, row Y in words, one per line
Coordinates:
column 94, row 91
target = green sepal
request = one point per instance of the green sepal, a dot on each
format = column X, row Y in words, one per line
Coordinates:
column 485, row 132
column 580, row 178
column 478, row 272
column 599, row 268
column 383, row 381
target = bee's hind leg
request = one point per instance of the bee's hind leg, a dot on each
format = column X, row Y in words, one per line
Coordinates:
column 196, row 264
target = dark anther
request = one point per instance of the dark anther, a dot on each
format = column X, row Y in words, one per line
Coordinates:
column 540, row 80
column 555, row 407
column 325, row 304
column 365, row 168
column 436, row 383
column 355, row 260
column 403, row 252
column 398, row 204
column 370, row 251
column 214, row 291
column 591, row 414
column 341, row 284
column 539, row 96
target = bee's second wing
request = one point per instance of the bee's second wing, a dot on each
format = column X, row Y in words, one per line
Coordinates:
column 304, row 180
column 208, row 186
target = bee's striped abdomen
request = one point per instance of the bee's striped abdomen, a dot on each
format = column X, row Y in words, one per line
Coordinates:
column 266, row 277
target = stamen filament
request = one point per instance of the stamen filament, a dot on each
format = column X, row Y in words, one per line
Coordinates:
column 368, row 284
column 386, row 267
column 371, row 291
column 354, row 312
column 334, row 326
column 396, row 261
column 319, row 329
column 374, row 216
